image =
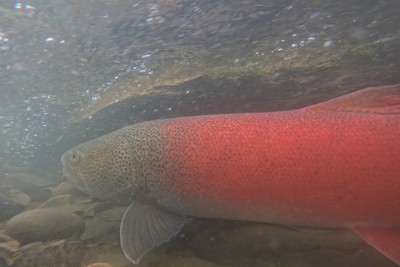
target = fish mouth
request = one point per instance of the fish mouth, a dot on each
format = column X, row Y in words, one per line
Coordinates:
column 76, row 181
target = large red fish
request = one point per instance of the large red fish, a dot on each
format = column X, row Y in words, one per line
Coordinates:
column 332, row 165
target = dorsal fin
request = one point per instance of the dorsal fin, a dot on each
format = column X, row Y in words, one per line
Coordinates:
column 377, row 100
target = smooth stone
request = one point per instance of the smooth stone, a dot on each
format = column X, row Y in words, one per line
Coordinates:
column 55, row 253
column 57, row 201
column 96, row 227
column 12, row 202
column 103, row 206
column 8, row 250
column 80, row 205
column 44, row 224
column 33, row 185
column 24, row 181
column 40, row 194
column 65, row 188
column 84, row 210
column 103, row 223
column 9, row 242
column 112, row 215
column 4, row 237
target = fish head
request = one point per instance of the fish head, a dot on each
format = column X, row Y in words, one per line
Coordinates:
column 102, row 168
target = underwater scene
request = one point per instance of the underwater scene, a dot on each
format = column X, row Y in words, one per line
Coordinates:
column 201, row 133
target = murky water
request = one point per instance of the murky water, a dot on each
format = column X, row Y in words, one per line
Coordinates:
column 73, row 70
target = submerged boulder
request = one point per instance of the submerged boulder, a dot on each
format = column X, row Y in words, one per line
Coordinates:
column 63, row 188
column 44, row 224
column 12, row 202
column 104, row 222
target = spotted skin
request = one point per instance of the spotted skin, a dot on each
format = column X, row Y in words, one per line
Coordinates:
column 286, row 167
column 116, row 164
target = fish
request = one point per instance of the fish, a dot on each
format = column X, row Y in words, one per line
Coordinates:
column 335, row 164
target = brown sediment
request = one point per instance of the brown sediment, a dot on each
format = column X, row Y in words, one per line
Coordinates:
column 99, row 264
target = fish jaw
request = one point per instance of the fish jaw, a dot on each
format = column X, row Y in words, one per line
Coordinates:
column 75, row 180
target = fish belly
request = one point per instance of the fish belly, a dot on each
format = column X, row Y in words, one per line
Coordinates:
column 295, row 167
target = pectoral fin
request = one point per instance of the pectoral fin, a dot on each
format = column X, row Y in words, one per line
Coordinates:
column 377, row 100
column 385, row 240
column 145, row 226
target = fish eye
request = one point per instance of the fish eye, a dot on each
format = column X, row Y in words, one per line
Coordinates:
column 75, row 156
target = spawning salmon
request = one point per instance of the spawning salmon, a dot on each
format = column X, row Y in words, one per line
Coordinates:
column 333, row 165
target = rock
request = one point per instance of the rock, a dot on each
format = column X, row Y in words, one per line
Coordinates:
column 56, row 253
column 103, row 206
column 99, row 264
column 9, row 242
column 44, row 224
column 8, row 250
column 85, row 209
column 82, row 205
column 103, row 223
column 34, row 186
column 4, row 237
column 24, row 181
column 112, row 215
column 40, row 194
column 65, row 188
column 57, row 201
column 96, row 227
column 12, row 202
